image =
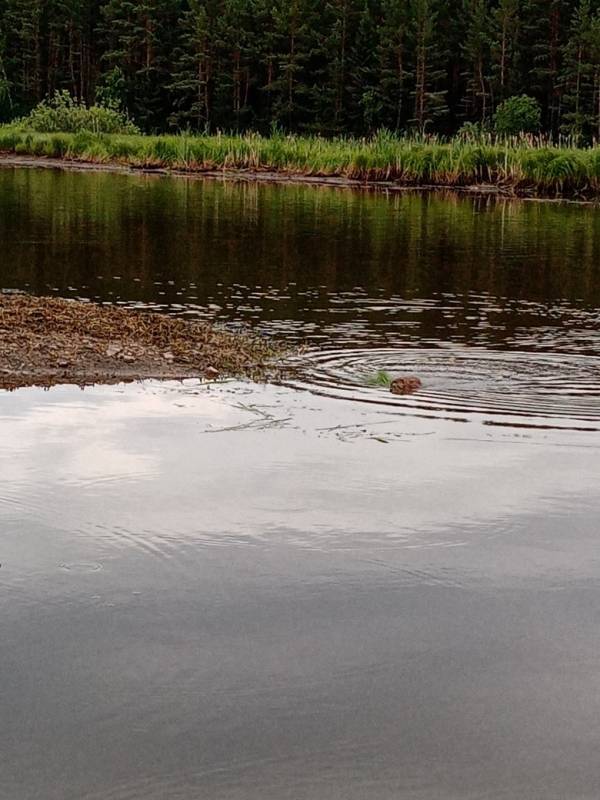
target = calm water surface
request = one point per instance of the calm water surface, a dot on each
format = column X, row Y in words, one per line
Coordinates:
column 312, row 590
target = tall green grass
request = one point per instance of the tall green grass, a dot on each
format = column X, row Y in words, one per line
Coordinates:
column 522, row 166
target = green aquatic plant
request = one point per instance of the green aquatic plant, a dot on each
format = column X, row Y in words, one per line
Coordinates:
column 381, row 378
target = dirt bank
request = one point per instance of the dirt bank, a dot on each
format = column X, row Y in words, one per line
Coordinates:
column 46, row 341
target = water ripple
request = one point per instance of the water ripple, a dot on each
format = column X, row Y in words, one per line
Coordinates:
column 511, row 388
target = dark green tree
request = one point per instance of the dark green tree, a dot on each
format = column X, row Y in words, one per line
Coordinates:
column 22, row 26
column 428, row 54
column 545, row 24
column 504, row 49
column 328, row 66
column 476, row 52
column 581, row 73
column 364, row 91
column 235, row 70
column 6, row 101
column 139, row 39
column 191, row 84
column 332, row 61
column 393, row 66
column 296, row 52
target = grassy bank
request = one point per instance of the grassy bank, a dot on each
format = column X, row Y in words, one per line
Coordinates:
column 521, row 167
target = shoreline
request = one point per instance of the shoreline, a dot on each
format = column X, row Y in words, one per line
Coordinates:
column 280, row 177
column 47, row 341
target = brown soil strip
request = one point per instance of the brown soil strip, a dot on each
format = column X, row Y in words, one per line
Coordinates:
column 46, row 341
column 283, row 177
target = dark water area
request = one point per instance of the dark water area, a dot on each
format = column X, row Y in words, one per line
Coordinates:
column 239, row 591
column 331, row 267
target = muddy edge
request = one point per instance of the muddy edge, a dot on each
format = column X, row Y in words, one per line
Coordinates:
column 9, row 160
column 47, row 340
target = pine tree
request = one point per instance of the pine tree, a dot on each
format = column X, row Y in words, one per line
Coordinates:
column 364, row 92
column 6, row 101
column 138, row 39
column 292, row 88
column 504, row 49
column 332, row 80
column 191, row 84
column 264, row 56
column 476, row 49
column 287, row 62
column 429, row 92
column 393, row 65
column 23, row 58
column 329, row 66
column 235, row 73
column 69, row 31
column 544, row 29
column 581, row 73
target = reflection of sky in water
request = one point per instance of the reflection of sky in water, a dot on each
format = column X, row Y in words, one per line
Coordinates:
column 235, row 591
column 236, row 464
column 240, row 592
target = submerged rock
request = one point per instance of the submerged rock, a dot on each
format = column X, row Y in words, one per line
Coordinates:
column 405, row 385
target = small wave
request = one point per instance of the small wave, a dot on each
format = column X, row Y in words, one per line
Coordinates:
column 460, row 383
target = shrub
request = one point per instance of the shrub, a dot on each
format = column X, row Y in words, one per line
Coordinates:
column 63, row 114
column 517, row 115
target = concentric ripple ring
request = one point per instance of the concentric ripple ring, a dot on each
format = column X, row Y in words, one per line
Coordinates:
column 514, row 388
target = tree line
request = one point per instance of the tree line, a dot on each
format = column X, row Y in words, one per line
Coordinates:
column 326, row 66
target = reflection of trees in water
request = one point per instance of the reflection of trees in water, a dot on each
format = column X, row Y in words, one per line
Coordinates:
column 194, row 241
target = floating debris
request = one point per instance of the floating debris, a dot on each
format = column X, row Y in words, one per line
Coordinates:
column 381, row 378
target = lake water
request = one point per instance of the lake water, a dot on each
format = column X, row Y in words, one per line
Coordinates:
column 242, row 592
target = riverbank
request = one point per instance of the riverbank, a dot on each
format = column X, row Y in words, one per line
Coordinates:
column 520, row 168
column 47, row 341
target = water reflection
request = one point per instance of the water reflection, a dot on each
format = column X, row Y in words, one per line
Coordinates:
column 255, row 589
column 312, row 264
column 261, row 592
column 128, row 449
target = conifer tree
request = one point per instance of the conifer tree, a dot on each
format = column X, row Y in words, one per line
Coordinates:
column 23, row 59
column 364, row 91
column 69, row 33
column 545, row 23
column 330, row 66
column 504, row 49
column 265, row 54
column 296, row 25
column 235, row 73
column 6, row 101
column 287, row 73
column 193, row 57
column 581, row 73
column 429, row 92
column 476, row 48
column 393, row 63
column 332, row 76
column 138, row 37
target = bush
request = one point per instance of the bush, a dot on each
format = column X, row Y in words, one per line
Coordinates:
column 63, row 114
column 517, row 115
